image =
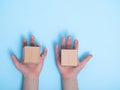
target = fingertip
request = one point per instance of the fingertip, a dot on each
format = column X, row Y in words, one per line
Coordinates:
column 90, row 55
column 13, row 58
column 56, row 46
column 75, row 44
column 45, row 49
column 12, row 55
column 63, row 38
column 24, row 40
column 32, row 37
column 76, row 41
column 69, row 37
column 38, row 45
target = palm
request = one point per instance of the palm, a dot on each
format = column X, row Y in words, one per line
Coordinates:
column 30, row 69
column 69, row 71
column 26, row 68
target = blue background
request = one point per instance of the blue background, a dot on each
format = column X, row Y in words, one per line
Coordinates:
column 95, row 23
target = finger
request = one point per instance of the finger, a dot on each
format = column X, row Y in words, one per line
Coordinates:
column 57, row 55
column 69, row 42
column 76, row 44
column 44, row 54
column 24, row 43
column 32, row 39
column 42, row 58
column 38, row 45
column 63, row 43
column 84, row 61
column 16, row 62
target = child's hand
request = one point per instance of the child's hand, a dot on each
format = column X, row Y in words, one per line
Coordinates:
column 68, row 72
column 30, row 70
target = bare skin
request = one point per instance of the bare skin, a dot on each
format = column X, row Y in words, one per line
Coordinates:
column 30, row 72
column 69, row 74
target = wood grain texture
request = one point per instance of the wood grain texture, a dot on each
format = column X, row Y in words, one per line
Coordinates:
column 31, row 54
column 69, row 57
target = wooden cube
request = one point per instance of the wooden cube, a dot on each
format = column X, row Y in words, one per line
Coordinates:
column 69, row 57
column 31, row 54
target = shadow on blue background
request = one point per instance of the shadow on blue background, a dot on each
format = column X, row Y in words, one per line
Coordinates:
column 95, row 23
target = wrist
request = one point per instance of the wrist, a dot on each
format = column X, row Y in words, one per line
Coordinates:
column 31, row 83
column 70, row 83
column 28, row 77
column 68, row 76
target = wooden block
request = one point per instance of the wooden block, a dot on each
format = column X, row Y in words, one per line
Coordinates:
column 31, row 54
column 69, row 57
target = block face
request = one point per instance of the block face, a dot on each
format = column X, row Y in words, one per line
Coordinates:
column 69, row 57
column 31, row 54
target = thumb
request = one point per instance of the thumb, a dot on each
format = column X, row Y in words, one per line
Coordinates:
column 84, row 62
column 15, row 60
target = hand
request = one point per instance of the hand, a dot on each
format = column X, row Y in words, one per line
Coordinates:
column 68, row 72
column 30, row 70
